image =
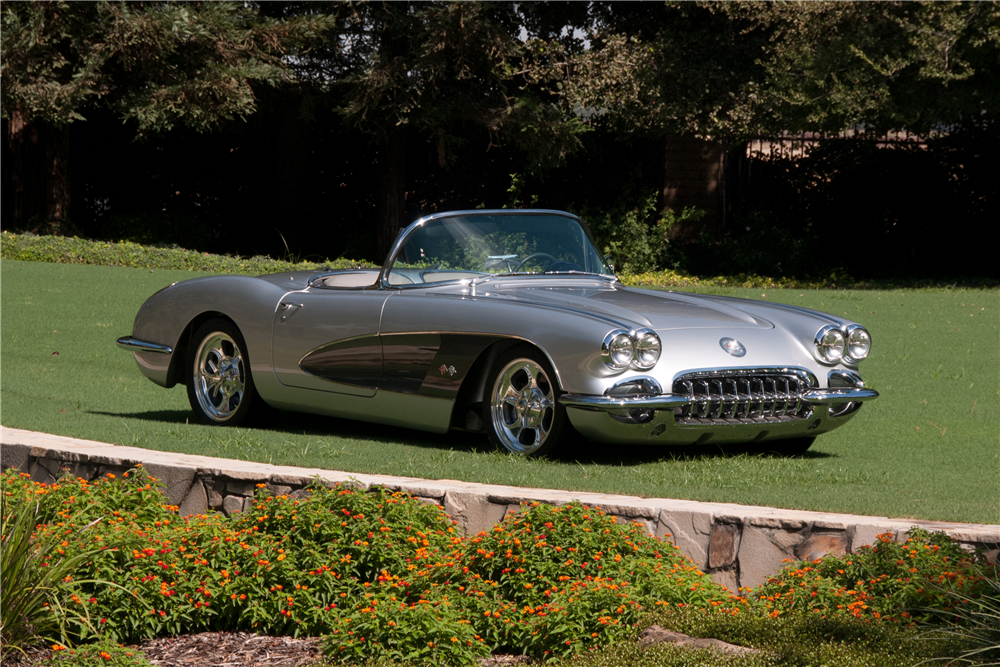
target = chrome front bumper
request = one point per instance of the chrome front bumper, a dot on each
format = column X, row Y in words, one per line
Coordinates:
column 134, row 345
column 605, row 418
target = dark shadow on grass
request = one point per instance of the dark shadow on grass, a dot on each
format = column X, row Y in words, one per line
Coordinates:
column 301, row 423
column 572, row 453
column 163, row 416
column 595, row 453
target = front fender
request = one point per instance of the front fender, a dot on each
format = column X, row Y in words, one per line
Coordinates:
column 169, row 317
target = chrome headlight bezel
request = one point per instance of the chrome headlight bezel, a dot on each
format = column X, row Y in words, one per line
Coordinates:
column 852, row 332
column 831, row 344
column 639, row 349
column 647, row 349
column 614, row 343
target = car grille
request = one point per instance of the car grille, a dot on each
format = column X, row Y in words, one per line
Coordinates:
column 744, row 397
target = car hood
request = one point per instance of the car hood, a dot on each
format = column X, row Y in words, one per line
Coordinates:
column 627, row 306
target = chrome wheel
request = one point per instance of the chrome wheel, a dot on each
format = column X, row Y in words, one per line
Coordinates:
column 219, row 376
column 522, row 406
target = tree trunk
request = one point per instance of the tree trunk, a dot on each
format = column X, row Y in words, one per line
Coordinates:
column 39, row 176
column 57, row 179
column 391, row 191
column 26, row 172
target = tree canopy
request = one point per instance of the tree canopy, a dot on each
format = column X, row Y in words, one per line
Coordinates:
column 408, row 97
column 733, row 70
column 158, row 64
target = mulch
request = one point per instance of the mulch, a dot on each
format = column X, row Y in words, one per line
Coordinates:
column 225, row 649
column 238, row 649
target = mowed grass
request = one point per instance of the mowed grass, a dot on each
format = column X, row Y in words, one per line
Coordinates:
column 929, row 448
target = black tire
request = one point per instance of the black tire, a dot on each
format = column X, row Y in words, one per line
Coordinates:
column 790, row 447
column 521, row 409
column 220, row 386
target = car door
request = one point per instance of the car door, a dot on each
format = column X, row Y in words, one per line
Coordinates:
column 327, row 339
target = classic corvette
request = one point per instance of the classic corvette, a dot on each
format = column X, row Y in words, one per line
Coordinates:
column 508, row 322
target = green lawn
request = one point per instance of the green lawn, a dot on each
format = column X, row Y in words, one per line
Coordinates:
column 929, row 448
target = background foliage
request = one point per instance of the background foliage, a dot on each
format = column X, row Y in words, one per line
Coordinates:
column 299, row 128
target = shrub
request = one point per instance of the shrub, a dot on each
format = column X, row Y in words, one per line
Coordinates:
column 973, row 620
column 157, row 228
column 41, row 585
column 72, row 250
column 636, row 236
column 559, row 579
column 103, row 653
column 924, row 578
column 385, row 576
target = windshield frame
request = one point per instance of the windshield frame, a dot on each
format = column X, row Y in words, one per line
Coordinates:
column 405, row 233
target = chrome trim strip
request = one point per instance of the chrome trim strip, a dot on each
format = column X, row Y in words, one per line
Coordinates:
column 850, row 378
column 751, row 370
column 133, row 345
column 651, row 382
column 606, row 403
column 839, row 395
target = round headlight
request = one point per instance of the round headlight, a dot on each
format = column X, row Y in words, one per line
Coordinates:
column 618, row 350
column 859, row 343
column 830, row 344
column 647, row 349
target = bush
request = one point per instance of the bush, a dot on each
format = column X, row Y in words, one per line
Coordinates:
column 385, row 576
column 103, row 653
column 974, row 620
column 923, row 579
column 374, row 568
column 556, row 580
column 636, row 236
column 41, row 587
column 157, row 228
column 72, row 250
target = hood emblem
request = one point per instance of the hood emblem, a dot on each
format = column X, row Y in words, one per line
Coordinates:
column 447, row 370
column 733, row 347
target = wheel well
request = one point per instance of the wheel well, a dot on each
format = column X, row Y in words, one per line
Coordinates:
column 473, row 389
column 175, row 374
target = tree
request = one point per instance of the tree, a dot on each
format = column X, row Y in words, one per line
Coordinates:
column 883, row 66
column 733, row 70
column 450, row 73
column 156, row 65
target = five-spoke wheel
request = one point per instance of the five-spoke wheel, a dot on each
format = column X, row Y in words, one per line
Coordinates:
column 522, row 413
column 220, row 386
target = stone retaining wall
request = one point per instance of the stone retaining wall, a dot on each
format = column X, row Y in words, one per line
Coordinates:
column 738, row 545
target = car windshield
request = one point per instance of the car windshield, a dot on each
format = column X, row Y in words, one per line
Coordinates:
column 469, row 245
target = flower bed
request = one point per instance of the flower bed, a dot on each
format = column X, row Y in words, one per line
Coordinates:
column 383, row 575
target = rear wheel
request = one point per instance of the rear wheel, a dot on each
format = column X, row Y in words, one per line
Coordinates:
column 521, row 412
column 219, row 383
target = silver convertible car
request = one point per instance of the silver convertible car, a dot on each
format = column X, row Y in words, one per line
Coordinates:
column 507, row 322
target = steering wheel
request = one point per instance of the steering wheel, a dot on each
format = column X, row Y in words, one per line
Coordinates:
column 536, row 255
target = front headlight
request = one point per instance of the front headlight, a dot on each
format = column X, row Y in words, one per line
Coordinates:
column 859, row 342
column 647, row 349
column 617, row 350
column 639, row 349
column 830, row 344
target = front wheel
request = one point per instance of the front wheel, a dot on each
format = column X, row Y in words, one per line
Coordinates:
column 521, row 411
column 219, row 383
